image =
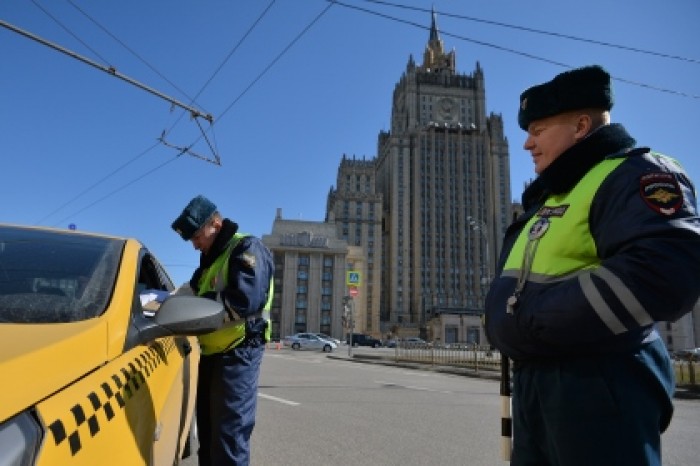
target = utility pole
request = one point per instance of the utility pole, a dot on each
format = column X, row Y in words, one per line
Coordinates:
column 349, row 317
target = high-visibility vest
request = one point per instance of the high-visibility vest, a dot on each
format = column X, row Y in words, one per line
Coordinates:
column 557, row 242
column 215, row 278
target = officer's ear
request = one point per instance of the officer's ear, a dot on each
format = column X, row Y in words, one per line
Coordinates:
column 216, row 222
column 584, row 125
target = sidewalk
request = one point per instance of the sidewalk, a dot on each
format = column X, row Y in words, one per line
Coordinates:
column 682, row 393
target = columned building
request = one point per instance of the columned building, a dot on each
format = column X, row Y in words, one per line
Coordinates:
column 443, row 173
column 310, row 274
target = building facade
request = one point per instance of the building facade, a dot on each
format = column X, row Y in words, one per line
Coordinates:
column 356, row 210
column 443, row 174
column 311, row 265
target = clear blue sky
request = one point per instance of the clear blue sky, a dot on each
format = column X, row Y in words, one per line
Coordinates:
column 81, row 147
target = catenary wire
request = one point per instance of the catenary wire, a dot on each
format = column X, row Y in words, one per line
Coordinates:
column 206, row 84
column 106, row 31
column 97, row 183
column 332, row 2
column 122, row 187
column 255, row 80
column 537, row 31
column 276, row 59
column 131, row 51
column 218, row 69
column 65, row 28
column 268, row 67
column 506, row 49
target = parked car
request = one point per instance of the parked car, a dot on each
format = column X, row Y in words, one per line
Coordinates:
column 303, row 341
column 360, row 339
column 692, row 353
column 413, row 342
column 89, row 369
column 329, row 338
column 390, row 343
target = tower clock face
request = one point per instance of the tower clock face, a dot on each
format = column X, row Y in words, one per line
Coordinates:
column 447, row 109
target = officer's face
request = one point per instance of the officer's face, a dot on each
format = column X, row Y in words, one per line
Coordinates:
column 205, row 236
column 549, row 137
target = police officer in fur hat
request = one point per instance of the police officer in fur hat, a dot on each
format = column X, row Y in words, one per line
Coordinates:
column 235, row 269
column 608, row 245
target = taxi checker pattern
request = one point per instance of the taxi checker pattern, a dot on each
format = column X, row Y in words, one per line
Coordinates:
column 120, row 388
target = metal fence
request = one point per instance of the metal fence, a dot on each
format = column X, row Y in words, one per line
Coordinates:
column 462, row 355
column 479, row 358
column 687, row 372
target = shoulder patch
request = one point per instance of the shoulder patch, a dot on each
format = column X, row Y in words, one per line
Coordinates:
column 248, row 258
column 661, row 192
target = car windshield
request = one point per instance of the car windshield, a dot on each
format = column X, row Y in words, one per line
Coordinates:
column 51, row 276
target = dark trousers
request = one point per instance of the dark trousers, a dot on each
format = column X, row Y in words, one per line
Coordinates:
column 593, row 411
column 226, row 404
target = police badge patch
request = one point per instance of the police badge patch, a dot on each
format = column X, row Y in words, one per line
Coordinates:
column 248, row 259
column 661, row 192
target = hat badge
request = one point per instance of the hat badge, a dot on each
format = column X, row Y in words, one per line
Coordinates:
column 523, row 104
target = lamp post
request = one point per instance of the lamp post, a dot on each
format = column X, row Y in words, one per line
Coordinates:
column 480, row 226
column 505, row 391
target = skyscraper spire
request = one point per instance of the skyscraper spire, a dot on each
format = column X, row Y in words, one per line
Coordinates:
column 434, row 58
column 434, row 33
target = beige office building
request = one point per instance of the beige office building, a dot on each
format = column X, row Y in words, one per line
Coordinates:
column 311, row 270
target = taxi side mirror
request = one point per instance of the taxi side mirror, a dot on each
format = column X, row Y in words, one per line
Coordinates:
column 177, row 315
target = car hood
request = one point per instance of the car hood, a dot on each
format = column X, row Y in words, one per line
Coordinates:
column 37, row 360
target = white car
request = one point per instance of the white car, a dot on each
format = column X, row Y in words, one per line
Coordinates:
column 301, row 341
column 329, row 338
column 690, row 354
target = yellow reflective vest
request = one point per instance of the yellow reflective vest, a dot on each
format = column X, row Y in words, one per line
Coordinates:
column 215, row 278
column 556, row 242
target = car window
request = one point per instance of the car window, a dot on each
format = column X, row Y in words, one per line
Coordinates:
column 152, row 275
column 50, row 276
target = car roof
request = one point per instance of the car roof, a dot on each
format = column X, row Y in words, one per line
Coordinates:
column 50, row 230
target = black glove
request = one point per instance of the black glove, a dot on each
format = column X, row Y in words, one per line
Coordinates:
column 255, row 331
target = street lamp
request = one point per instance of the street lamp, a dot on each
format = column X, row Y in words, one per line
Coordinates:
column 480, row 226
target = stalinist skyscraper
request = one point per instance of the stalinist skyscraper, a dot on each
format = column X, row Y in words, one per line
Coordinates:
column 430, row 209
column 443, row 175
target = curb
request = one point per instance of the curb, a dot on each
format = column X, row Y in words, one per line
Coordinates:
column 484, row 374
column 681, row 393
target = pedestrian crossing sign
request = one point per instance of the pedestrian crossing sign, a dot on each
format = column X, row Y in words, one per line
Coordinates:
column 353, row 278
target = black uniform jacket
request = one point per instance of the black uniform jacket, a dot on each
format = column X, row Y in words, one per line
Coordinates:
column 655, row 254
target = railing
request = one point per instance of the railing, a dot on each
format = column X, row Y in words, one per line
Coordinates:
column 687, row 372
column 478, row 358
column 462, row 355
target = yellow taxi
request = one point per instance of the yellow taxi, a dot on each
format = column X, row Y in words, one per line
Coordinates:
column 92, row 373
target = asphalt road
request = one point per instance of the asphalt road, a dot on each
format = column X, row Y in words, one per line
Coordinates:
column 320, row 411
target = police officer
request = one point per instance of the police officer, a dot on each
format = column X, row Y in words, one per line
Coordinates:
column 609, row 244
column 237, row 270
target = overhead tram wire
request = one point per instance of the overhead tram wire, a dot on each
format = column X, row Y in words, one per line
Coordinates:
column 192, row 100
column 161, row 139
column 235, row 48
column 211, row 78
column 114, row 172
column 107, row 69
column 185, row 149
column 124, row 186
column 65, row 28
column 506, row 49
column 94, row 185
column 537, row 31
column 276, row 59
column 261, row 74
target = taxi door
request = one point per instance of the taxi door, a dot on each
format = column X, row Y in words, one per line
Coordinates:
column 132, row 410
